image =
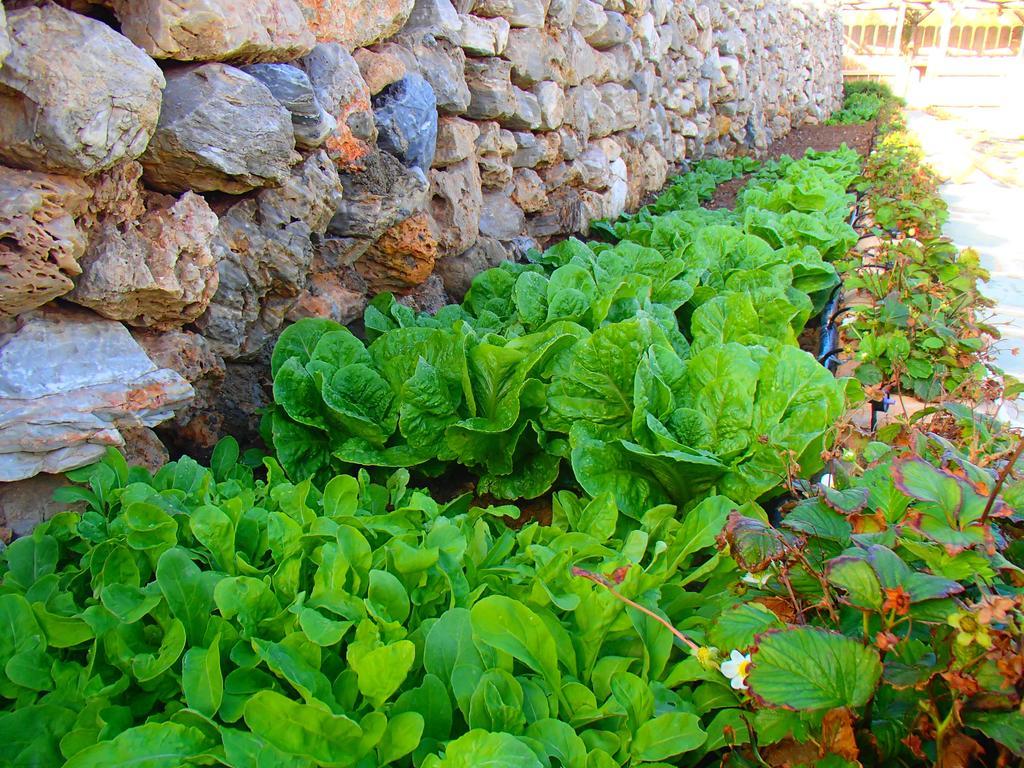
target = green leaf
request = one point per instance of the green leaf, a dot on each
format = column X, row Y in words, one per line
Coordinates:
column 856, row 577
column 188, row 592
column 401, row 737
column 201, row 679
column 30, row 558
column 1006, row 728
column 737, row 627
column 510, row 626
column 382, row 670
column 153, row 745
column 480, row 749
column 811, row 668
column 303, row 729
column 298, row 341
column 668, row 735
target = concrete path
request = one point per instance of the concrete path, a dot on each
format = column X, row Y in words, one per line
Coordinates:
column 985, row 193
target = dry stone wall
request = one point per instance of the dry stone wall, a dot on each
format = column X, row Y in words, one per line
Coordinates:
column 180, row 178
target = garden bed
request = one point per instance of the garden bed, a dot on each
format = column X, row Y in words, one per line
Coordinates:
column 568, row 523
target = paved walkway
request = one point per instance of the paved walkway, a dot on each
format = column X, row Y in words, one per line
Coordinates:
column 985, row 193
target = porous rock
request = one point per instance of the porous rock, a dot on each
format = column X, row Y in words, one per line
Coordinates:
column 69, row 380
column 220, row 129
column 455, row 205
column 377, row 195
column 39, row 242
column 157, row 271
column 74, row 94
column 402, row 258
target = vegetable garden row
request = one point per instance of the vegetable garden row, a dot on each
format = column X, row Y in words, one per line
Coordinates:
column 577, row 520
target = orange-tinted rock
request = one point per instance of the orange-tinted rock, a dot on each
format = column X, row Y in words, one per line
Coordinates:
column 355, row 23
column 379, row 70
column 402, row 258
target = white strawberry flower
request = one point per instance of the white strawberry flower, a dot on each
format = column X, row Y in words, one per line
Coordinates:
column 735, row 668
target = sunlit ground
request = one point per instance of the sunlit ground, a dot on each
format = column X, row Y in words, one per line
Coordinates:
column 981, row 153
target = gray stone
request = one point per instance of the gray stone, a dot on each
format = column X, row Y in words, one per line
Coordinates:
column 378, row 196
column 535, row 56
column 622, row 104
column 564, row 214
column 457, row 272
column 518, row 13
column 590, row 18
column 197, row 30
column 339, row 88
column 69, row 380
column 456, row 140
column 74, row 94
column 561, row 13
column 526, row 115
column 220, row 130
column 530, row 150
column 494, row 147
column 615, row 31
column 490, row 87
column 481, row 37
column 5, row 40
column 501, row 218
column 551, row 100
column 406, row 117
column 291, row 86
column 456, row 200
column 263, row 252
column 439, row 17
column 442, row 64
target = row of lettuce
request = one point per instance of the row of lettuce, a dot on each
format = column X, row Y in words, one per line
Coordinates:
column 660, row 367
column 318, row 608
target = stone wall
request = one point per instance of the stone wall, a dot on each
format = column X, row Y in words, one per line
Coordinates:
column 180, row 178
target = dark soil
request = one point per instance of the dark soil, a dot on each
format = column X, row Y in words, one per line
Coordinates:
column 822, row 138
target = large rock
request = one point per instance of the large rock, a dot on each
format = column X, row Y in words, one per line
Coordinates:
column 311, row 123
column 455, row 205
column 456, row 140
column 39, row 242
column 379, row 69
column 501, row 218
column 406, row 117
column 494, row 147
column 481, row 37
column 490, row 88
column 340, row 89
column 264, row 250
column 74, row 94
column 355, row 23
column 402, row 258
column 227, row 30
column 158, row 271
column 5, row 40
column 191, row 356
column 518, row 13
column 378, row 195
column 334, row 289
column 442, row 64
column 220, row 130
column 457, row 271
column 69, row 380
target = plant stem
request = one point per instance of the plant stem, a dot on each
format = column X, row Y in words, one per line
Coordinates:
column 602, row 581
column 1003, row 473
